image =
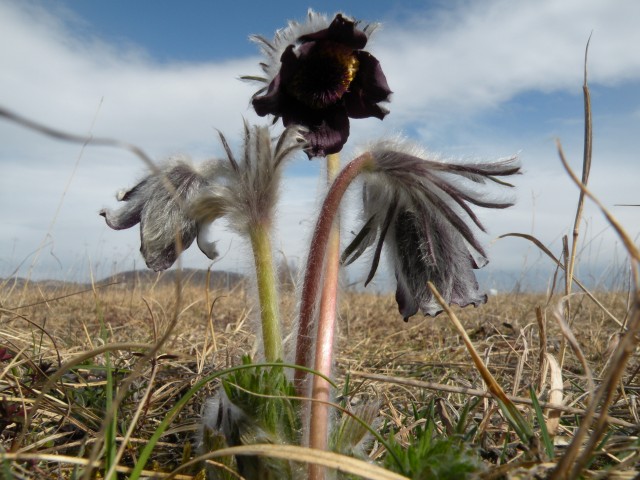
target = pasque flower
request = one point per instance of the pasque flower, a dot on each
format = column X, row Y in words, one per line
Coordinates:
column 158, row 203
column 318, row 76
column 419, row 207
column 176, row 204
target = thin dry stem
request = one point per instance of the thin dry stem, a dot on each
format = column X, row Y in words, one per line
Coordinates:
column 474, row 392
column 586, row 169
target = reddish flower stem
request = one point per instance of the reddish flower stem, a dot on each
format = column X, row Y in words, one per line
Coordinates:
column 325, row 251
column 315, row 262
column 320, row 389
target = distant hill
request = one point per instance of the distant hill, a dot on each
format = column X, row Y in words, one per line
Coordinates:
column 19, row 282
column 135, row 278
column 190, row 276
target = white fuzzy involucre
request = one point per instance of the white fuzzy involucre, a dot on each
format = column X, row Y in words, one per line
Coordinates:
column 248, row 189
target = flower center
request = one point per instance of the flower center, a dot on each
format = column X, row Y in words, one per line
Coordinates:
column 324, row 74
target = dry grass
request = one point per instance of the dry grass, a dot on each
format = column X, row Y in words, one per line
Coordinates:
column 413, row 364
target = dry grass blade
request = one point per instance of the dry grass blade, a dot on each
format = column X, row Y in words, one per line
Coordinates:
column 441, row 387
column 605, row 394
column 294, row 453
column 38, row 327
column 558, row 263
column 626, row 239
column 571, row 464
column 137, row 371
column 77, row 360
column 12, row 363
column 575, row 346
column 542, row 338
column 522, row 360
column 133, row 422
column 577, row 454
column 82, row 139
column 586, row 169
column 82, row 462
column 555, row 394
column 58, row 297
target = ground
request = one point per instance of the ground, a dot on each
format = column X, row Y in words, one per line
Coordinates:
column 415, row 374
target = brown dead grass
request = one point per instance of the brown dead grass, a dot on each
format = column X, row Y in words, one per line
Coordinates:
column 43, row 329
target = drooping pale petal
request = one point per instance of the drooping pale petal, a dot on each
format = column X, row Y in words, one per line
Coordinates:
column 128, row 215
column 207, row 247
column 424, row 250
column 158, row 204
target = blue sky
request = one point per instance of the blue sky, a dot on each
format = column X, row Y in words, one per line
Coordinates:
column 471, row 79
column 202, row 30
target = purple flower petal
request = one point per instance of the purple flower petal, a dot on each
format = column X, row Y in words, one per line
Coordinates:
column 328, row 136
column 323, row 80
column 341, row 31
column 270, row 102
column 367, row 89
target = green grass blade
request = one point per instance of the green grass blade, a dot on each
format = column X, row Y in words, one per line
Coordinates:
column 546, row 438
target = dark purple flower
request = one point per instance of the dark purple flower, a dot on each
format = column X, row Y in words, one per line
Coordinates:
column 420, row 209
column 318, row 76
column 161, row 214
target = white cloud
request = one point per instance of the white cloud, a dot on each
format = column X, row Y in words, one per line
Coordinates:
column 60, row 81
column 483, row 53
column 446, row 71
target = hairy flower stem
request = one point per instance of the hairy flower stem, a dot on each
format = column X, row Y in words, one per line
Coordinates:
column 320, row 390
column 325, row 234
column 315, row 262
column 267, row 292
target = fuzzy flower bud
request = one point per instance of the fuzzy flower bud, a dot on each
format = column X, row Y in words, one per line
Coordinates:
column 249, row 187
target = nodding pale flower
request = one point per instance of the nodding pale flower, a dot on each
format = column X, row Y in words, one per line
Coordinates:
column 183, row 200
column 250, row 187
column 158, row 204
column 318, row 76
column 419, row 207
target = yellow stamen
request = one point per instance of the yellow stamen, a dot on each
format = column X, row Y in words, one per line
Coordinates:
column 324, row 75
